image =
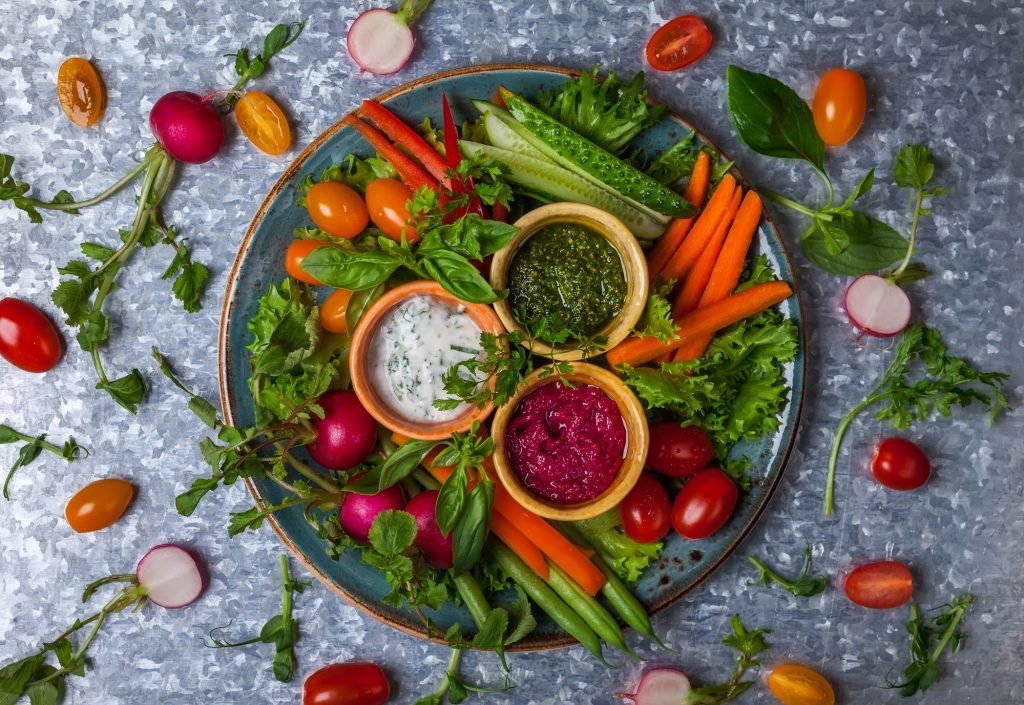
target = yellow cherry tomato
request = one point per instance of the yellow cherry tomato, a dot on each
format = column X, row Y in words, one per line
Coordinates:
column 336, row 208
column 794, row 684
column 98, row 505
column 263, row 122
column 386, row 199
column 81, row 92
column 334, row 310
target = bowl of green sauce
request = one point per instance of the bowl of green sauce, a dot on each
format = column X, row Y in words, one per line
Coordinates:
column 576, row 280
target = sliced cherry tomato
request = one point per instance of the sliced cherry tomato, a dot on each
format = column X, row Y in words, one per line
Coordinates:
column 678, row 451
column 28, row 338
column 298, row 251
column 900, row 465
column 334, row 310
column 840, row 102
column 386, row 199
column 263, row 123
column 678, row 43
column 705, row 504
column 794, row 684
column 880, row 586
column 81, row 92
column 645, row 511
column 347, row 684
column 98, row 505
column 336, row 208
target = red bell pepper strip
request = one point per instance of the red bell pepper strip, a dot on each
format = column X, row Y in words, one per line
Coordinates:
column 453, row 155
column 408, row 170
column 405, row 137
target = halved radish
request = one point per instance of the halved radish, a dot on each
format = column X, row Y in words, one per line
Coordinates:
column 661, row 686
column 170, row 576
column 877, row 306
column 380, row 41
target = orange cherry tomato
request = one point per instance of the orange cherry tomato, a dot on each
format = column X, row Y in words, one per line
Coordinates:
column 298, row 251
column 81, row 92
column 263, row 122
column 98, row 505
column 678, row 43
column 386, row 199
column 839, row 106
column 794, row 684
column 336, row 208
column 333, row 311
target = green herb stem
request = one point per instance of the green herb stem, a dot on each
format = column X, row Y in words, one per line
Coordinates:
column 410, row 10
column 45, row 445
column 836, row 445
column 913, row 235
column 795, row 205
column 311, row 474
column 117, row 186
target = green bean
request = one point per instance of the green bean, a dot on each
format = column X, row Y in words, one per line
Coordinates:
column 587, row 607
column 538, row 591
column 473, row 596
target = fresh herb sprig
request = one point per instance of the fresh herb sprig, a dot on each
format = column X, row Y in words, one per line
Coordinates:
column 250, row 67
column 43, row 683
column 281, row 630
column 465, row 512
column 391, row 550
column 915, row 169
column 803, row 585
column 921, row 380
column 923, row 670
column 34, row 446
column 749, row 643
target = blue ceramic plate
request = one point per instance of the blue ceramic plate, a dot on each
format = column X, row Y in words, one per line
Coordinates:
column 260, row 264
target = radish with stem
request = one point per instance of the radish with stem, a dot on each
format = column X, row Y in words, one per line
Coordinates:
column 380, row 41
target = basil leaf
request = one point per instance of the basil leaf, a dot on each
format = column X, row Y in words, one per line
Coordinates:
column 128, row 391
column 914, row 167
column 8, row 434
column 870, row 245
column 360, row 301
column 451, row 500
column 472, row 528
column 403, row 461
column 455, row 273
column 349, row 269
column 772, row 119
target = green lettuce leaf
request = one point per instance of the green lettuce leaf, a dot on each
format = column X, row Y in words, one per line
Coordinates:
column 625, row 556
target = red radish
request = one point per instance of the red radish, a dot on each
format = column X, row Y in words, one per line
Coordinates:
column 346, row 435
column 171, row 576
column 189, row 128
column 357, row 511
column 380, row 41
column 661, row 686
column 435, row 545
column 877, row 306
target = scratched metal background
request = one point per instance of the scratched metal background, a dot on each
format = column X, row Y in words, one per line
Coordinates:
column 948, row 73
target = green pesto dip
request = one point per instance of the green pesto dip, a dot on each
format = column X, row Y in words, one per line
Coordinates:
column 566, row 276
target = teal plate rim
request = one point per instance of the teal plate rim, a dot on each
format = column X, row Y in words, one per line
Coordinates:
column 780, row 453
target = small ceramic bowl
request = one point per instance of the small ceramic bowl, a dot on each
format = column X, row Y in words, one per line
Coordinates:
column 637, row 441
column 360, row 362
column 633, row 262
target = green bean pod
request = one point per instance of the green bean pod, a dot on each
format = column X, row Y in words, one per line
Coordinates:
column 587, row 607
column 545, row 598
column 473, row 596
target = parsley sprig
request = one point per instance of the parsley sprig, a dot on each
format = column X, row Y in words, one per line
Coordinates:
column 924, row 669
column 921, row 380
column 803, row 585
column 281, row 630
column 749, row 643
column 34, row 446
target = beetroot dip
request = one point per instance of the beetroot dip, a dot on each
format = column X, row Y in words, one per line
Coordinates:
column 566, row 443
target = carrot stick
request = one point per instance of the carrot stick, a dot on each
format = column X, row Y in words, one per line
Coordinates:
column 707, row 222
column 520, row 544
column 405, row 137
column 677, row 229
column 408, row 170
column 706, row 320
column 728, row 268
column 693, row 286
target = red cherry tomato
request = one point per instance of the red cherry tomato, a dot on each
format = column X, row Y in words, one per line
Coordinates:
column 705, row 504
column 880, row 586
column 386, row 199
column 28, row 338
column 298, row 251
column 678, row 451
column 645, row 510
column 900, row 465
column 840, row 102
column 347, row 684
column 336, row 208
column 678, row 43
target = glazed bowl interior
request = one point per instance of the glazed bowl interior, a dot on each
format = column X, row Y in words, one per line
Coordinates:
column 634, row 267
column 362, row 364
column 634, row 456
